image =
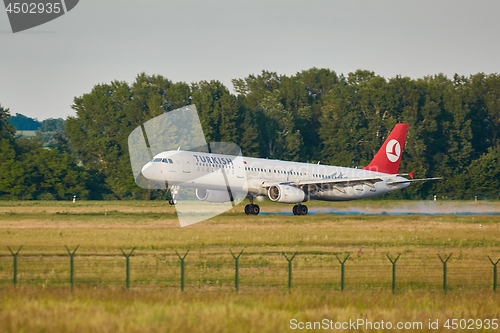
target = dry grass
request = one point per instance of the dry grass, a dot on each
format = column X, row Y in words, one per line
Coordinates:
column 114, row 310
column 42, row 301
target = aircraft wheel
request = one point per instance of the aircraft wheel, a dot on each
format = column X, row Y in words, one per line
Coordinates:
column 172, row 202
column 252, row 209
column 300, row 210
column 255, row 209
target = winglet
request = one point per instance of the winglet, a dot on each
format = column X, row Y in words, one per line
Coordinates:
column 411, row 174
column 388, row 157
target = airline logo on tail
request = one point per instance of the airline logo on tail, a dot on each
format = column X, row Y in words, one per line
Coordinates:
column 388, row 158
column 393, row 150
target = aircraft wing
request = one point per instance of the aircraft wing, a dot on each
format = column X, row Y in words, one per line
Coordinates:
column 344, row 182
column 340, row 182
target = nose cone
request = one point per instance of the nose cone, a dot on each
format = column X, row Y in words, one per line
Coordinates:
column 147, row 171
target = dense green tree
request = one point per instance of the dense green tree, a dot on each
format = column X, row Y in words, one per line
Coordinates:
column 27, row 171
column 248, row 133
column 282, row 140
column 51, row 132
column 339, row 124
column 52, row 125
column 10, row 168
column 50, row 174
column 317, row 82
column 483, row 176
column 480, row 93
column 6, row 129
column 492, row 101
column 310, row 116
column 146, row 98
column 217, row 109
column 98, row 134
column 23, row 123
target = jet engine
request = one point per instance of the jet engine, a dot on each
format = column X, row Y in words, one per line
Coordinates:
column 212, row 195
column 286, row 194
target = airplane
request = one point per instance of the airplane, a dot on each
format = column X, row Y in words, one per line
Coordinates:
column 281, row 181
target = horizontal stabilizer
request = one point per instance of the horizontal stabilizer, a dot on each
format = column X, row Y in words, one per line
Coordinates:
column 411, row 180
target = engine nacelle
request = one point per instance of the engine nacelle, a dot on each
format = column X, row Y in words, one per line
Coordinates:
column 286, row 194
column 212, row 195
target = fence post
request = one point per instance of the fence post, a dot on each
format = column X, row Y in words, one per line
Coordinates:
column 290, row 268
column 127, row 266
column 14, row 254
column 71, row 266
column 182, row 267
column 342, row 271
column 494, row 273
column 444, row 270
column 236, row 268
column 393, row 262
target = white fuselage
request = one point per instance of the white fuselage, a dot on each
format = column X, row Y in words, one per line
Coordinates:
column 255, row 175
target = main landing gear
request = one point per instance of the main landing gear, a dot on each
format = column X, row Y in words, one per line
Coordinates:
column 252, row 209
column 300, row 210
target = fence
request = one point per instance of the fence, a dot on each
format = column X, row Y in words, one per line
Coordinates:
column 247, row 269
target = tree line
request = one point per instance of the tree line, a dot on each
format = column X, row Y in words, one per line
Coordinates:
column 315, row 116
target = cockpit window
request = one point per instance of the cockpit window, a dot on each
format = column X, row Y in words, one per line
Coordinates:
column 163, row 160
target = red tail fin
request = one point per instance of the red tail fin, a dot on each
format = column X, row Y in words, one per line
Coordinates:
column 388, row 157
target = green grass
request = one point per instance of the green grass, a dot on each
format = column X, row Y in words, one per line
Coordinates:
column 42, row 302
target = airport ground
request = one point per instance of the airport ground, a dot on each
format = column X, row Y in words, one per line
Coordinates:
column 367, row 231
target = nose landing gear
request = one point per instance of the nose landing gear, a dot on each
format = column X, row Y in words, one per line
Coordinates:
column 174, row 190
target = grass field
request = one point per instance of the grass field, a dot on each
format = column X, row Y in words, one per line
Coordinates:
column 42, row 300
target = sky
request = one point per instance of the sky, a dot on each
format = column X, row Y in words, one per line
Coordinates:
column 98, row 41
